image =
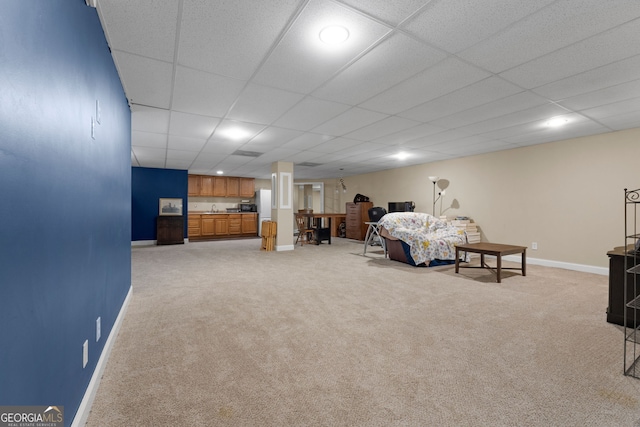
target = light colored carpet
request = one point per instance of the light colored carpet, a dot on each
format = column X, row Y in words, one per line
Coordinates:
column 223, row 334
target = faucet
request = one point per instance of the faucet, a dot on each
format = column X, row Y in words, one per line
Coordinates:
column 213, row 208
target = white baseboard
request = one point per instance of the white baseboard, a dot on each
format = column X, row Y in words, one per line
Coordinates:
column 603, row 271
column 150, row 242
column 284, row 248
column 144, row 242
column 85, row 406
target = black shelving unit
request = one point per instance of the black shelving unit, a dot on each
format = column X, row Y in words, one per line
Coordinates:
column 631, row 283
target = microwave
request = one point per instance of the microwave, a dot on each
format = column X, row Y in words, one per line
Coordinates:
column 247, row 207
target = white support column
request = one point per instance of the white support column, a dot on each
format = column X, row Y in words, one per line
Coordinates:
column 282, row 204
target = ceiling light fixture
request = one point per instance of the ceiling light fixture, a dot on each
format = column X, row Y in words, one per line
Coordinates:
column 401, row 155
column 334, row 34
column 557, row 122
column 235, row 133
column 220, row 172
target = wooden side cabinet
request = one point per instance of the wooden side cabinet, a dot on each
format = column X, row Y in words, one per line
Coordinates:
column 357, row 215
column 170, row 230
column 615, row 310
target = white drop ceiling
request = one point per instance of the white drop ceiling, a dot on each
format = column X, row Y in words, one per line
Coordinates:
column 436, row 79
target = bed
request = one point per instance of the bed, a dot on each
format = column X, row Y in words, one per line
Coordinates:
column 420, row 239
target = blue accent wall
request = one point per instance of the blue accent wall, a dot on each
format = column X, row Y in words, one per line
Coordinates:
column 65, row 200
column 148, row 185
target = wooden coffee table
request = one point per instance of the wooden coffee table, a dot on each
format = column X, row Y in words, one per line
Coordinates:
column 495, row 249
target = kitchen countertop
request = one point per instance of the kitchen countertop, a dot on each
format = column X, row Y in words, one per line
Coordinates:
column 217, row 213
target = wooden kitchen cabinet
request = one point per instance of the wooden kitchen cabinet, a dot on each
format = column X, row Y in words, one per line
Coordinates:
column 233, row 187
column 250, row 224
column 219, row 186
column 235, row 224
column 208, row 226
column 194, row 185
column 193, row 226
column 247, row 187
column 221, row 225
column 206, row 185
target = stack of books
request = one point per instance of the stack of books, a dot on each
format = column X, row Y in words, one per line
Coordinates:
column 470, row 227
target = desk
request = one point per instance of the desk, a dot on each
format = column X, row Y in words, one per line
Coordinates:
column 323, row 233
column 495, row 249
column 372, row 231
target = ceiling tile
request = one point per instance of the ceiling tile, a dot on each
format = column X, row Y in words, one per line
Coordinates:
column 149, row 119
column 150, row 157
column 604, row 96
column 146, row 81
column 382, row 128
column 240, row 32
column 143, row 27
column 588, row 81
column 403, row 136
column 192, row 125
column 500, row 107
column 617, row 108
column 306, row 141
column 594, row 52
column 335, row 145
column 272, row 137
column 475, row 21
column 539, row 113
column 560, row 24
column 185, row 144
column 149, row 139
column 622, row 121
column 315, row 62
column 444, row 77
column 351, row 120
column 189, row 156
column 384, row 10
column 261, row 104
column 392, row 61
column 203, row 93
column 480, row 93
column 309, row 113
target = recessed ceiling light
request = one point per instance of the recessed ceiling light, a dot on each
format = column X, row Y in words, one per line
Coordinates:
column 401, row 155
column 235, row 133
column 220, row 172
column 557, row 122
column 334, row 34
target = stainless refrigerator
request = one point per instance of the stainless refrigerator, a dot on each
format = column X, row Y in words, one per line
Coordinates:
column 263, row 205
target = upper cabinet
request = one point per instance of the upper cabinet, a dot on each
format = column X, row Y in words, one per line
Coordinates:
column 194, row 185
column 220, row 186
column 247, row 187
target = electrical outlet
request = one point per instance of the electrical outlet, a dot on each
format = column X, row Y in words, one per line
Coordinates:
column 534, row 246
column 98, row 329
column 85, row 353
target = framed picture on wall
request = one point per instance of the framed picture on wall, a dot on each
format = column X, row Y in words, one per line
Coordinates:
column 170, row 207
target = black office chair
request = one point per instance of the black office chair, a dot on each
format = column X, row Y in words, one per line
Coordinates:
column 373, row 232
column 376, row 213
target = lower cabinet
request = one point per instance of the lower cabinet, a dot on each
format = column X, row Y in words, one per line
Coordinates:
column 219, row 226
column 170, row 230
column 235, row 224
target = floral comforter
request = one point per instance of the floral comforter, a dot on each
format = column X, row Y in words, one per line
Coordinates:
column 429, row 237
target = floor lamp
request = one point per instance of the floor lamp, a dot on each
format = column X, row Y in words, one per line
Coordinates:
column 434, row 179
